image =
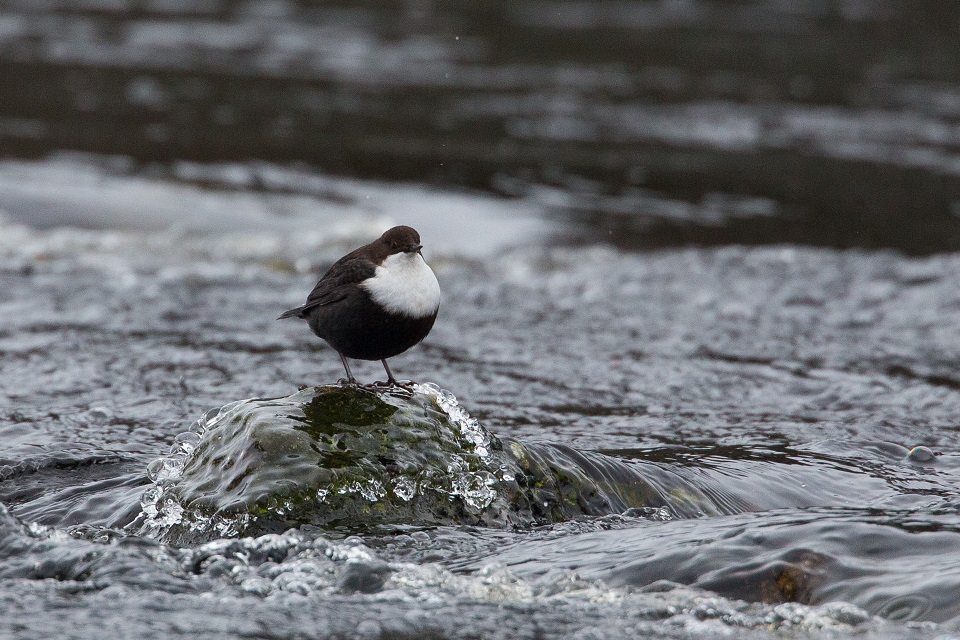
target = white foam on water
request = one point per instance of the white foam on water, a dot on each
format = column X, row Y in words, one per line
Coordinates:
column 294, row 565
column 295, row 571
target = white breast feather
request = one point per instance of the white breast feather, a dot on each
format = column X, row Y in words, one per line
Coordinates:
column 405, row 285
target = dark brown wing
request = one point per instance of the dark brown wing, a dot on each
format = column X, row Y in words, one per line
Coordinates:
column 342, row 278
column 340, row 281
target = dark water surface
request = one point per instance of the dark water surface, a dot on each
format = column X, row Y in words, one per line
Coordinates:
column 833, row 122
column 717, row 239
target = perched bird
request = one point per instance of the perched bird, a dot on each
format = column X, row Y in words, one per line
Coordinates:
column 375, row 302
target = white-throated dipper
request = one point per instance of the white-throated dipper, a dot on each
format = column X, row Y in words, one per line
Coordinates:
column 375, row 302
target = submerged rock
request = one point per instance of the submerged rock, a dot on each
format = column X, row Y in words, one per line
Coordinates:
column 356, row 457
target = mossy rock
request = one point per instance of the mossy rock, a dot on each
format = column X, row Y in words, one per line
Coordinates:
column 356, row 457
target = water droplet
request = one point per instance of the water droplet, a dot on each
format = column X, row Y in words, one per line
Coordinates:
column 921, row 454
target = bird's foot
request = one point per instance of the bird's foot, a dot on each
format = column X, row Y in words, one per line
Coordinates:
column 403, row 384
column 347, row 381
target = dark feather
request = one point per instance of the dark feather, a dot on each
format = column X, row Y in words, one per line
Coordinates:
column 342, row 280
column 292, row 313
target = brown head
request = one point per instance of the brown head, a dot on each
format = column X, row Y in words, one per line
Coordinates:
column 400, row 239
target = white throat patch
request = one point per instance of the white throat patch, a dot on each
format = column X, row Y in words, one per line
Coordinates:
column 405, row 284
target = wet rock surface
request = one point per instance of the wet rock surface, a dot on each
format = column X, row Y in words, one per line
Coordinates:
column 353, row 458
column 334, row 456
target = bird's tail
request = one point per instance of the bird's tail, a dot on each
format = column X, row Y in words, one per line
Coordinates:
column 292, row 313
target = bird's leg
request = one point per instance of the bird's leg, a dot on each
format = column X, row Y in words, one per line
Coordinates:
column 390, row 379
column 346, row 366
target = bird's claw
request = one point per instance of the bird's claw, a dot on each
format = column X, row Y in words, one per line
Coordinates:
column 385, row 384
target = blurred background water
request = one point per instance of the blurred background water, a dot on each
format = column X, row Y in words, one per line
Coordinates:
column 823, row 121
column 712, row 235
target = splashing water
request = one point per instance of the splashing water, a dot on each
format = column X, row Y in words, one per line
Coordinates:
column 469, row 427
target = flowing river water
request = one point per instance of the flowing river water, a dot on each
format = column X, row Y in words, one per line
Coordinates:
column 673, row 254
column 816, row 385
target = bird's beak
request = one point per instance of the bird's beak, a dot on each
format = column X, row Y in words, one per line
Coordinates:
column 414, row 248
